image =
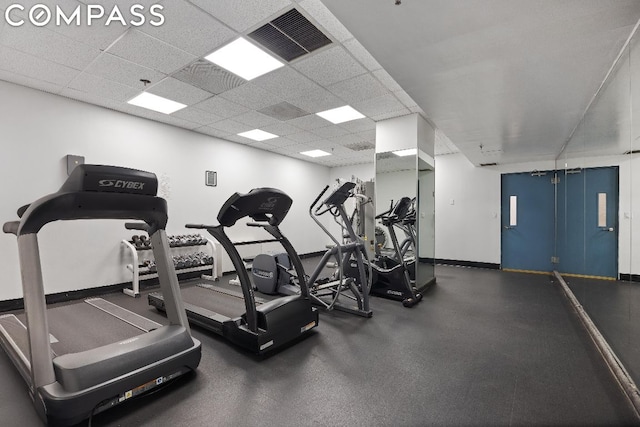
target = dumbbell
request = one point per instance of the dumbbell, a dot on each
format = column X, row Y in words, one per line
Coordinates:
column 145, row 242
column 136, row 241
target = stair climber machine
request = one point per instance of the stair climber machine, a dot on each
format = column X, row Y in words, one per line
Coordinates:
column 392, row 273
column 259, row 326
column 272, row 273
column 70, row 379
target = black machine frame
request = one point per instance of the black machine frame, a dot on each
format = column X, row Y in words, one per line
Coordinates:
column 262, row 327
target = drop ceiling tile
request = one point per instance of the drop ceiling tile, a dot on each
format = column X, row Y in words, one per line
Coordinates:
column 230, row 126
column 208, row 76
column 368, row 135
column 179, row 91
column 281, row 129
column 125, row 72
column 239, row 139
column 388, row 81
column 359, row 88
column 391, row 114
column 150, row 52
column 330, row 131
column 377, row 106
column 242, row 15
column 36, row 68
column 286, row 83
column 282, row 142
column 346, row 139
column 29, row 82
column 97, row 36
column 196, row 115
column 330, row 66
column 159, row 117
column 251, row 96
column 49, row 45
column 303, row 137
column 207, row 130
column 309, row 122
column 362, row 55
column 91, row 98
column 255, row 119
column 262, row 145
column 326, row 19
column 359, row 125
column 316, row 100
column 102, row 87
column 190, row 28
column 406, row 100
column 221, row 107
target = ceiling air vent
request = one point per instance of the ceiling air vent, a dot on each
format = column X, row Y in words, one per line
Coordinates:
column 489, row 164
column 290, row 36
column 208, row 76
column 361, row 146
column 283, row 111
column 632, row 152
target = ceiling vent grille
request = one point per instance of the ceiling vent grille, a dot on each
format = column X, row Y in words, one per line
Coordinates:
column 489, row 164
column 631, row 152
column 208, row 76
column 283, row 111
column 290, row 36
column 361, row 146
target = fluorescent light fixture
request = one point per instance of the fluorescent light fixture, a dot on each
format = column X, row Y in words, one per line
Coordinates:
column 244, row 59
column 340, row 114
column 407, row 152
column 156, row 103
column 315, row 153
column 258, row 135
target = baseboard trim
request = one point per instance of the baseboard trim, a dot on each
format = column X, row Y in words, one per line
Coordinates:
column 630, row 277
column 475, row 264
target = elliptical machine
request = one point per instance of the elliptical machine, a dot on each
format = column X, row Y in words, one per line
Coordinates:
column 392, row 273
column 272, row 273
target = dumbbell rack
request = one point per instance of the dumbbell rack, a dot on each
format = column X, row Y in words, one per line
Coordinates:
column 138, row 270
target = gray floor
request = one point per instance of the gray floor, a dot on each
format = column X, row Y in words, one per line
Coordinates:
column 484, row 347
column 614, row 307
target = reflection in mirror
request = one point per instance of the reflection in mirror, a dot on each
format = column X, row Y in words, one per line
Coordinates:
column 425, row 274
column 597, row 234
column 405, row 214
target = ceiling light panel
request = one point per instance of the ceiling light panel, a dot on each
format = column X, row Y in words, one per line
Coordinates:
column 315, row 153
column 407, row 152
column 244, row 59
column 257, row 135
column 156, row 103
column 341, row 114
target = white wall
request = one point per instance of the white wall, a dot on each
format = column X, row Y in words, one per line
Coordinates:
column 467, row 211
column 38, row 130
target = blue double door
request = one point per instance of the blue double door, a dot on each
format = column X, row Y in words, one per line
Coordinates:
column 565, row 221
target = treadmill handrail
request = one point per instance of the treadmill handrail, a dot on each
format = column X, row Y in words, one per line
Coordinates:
column 247, row 292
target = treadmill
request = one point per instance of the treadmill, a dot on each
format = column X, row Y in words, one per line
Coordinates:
column 70, row 380
column 258, row 326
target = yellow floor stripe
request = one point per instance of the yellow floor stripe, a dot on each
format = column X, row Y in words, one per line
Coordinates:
column 585, row 276
column 511, row 270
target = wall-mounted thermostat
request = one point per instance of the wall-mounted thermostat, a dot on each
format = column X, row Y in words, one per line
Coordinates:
column 211, row 178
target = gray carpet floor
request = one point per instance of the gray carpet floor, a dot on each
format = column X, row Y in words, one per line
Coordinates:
column 484, row 347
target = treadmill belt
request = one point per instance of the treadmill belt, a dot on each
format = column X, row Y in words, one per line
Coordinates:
column 80, row 327
column 123, row 314
column 219, row 302
column 17, row 331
